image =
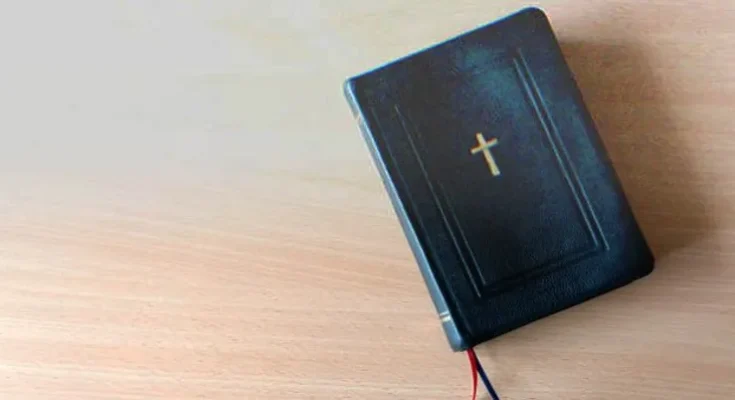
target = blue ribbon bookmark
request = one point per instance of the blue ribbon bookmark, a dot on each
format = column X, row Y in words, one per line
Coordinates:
column 477, row 369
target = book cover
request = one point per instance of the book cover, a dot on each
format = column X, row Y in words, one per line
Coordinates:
column 497, row 174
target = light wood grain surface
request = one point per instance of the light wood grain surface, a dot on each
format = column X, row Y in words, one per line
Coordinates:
column 188, row 210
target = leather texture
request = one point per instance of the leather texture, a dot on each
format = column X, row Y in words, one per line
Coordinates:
column 499, row 178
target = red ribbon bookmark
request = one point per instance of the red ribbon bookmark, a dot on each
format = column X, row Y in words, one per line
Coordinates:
column 473, row 369
column 476, row 368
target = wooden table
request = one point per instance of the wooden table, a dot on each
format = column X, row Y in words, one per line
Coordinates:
column 188, row 210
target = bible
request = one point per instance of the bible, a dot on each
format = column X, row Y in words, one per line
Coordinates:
column 498, row 177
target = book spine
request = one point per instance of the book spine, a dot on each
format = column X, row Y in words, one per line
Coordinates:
column 448, row 320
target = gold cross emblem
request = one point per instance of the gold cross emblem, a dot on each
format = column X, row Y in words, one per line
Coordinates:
column 484, row 148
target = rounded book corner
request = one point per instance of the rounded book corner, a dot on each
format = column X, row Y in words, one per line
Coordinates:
column 348, row 86
column 538, row 14
column 535, row 11
column 458, row 343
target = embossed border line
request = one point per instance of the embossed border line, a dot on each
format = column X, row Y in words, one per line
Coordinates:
column 440, row 199
column 562, row 156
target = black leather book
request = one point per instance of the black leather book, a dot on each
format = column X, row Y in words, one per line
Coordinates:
column 498, row 177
